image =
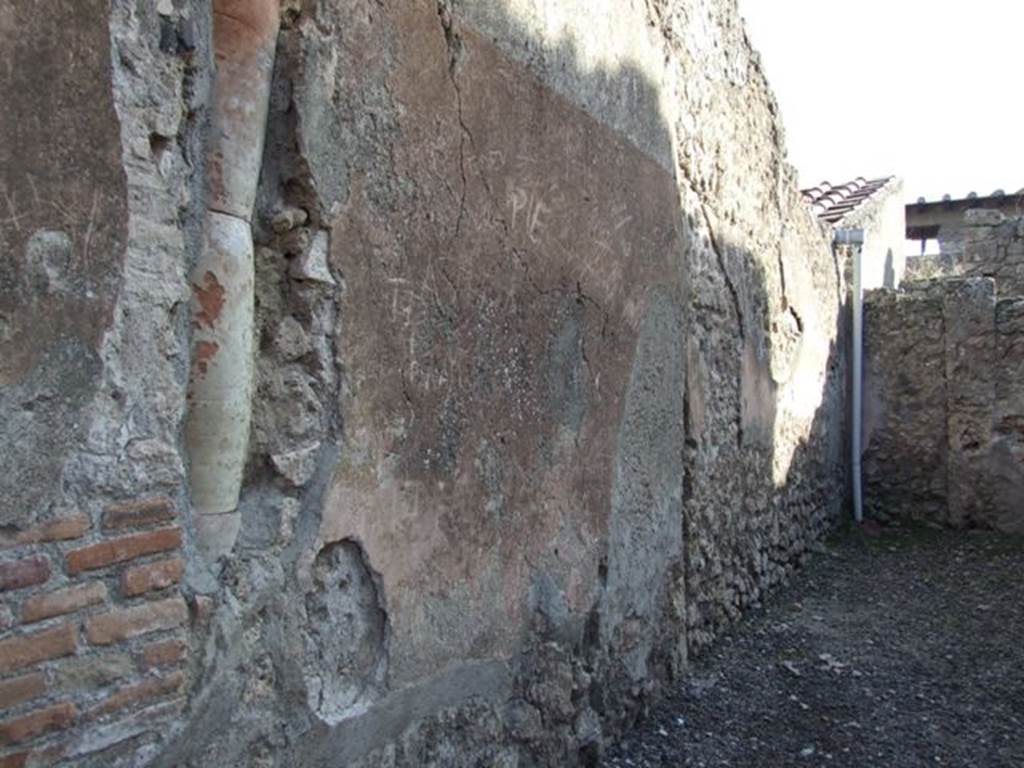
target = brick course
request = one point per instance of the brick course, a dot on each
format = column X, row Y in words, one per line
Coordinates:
column 24, row 651
column 137, row 514
column 59, row 530
column 26, row 572
column 21, row 689
column 148, row 690
column 19, row 729
column 163, row 653
column 119, row 550
column 45, row 606
column 126, row 623
column 152, row 576
column 92, row 672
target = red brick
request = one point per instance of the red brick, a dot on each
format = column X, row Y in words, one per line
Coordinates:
column 54, row 718
column 24, row 651
column 119, row 550
column 139, row 513
column 39, row 607
column 15, row 574
column 146, row 691
column 145, row 578
column 20, row 689
column 125, row 623
column 163, row 653
column 34, row 758
column 59, row 530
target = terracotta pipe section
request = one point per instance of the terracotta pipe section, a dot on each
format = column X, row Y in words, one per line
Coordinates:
column 221, row 377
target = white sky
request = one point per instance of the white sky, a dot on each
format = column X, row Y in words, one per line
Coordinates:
column 928, row 90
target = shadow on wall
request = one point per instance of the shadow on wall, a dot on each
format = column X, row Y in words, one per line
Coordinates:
column 768, row 480
column 551, row 417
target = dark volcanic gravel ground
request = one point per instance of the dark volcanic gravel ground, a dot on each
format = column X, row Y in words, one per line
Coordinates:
column 900, row 650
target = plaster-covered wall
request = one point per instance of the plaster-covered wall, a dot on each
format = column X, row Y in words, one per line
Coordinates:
column 548, row 382
column 882, row 218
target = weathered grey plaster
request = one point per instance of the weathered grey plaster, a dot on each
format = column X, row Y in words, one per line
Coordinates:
column 645, row 528
column 63, row 234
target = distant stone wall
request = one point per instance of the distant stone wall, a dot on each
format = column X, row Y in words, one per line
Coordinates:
column 904, row 460
column 989, row 244
column 944, row 404
column 1007, row 450
column 994, row 247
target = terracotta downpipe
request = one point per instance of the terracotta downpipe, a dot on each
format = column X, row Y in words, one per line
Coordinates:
column 221, row 375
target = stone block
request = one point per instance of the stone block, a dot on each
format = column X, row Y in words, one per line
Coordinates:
column 288, row 219
column 216, row 534
column 311, row 264
column 298, row 466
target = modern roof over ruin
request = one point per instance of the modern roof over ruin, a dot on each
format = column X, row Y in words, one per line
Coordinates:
column 998, row 199
column 834, row 202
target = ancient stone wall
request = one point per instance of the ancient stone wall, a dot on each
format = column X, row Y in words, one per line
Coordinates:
column 994, row 247
column 766, row 360
column 549, row 380
column 943, row 407
column 990, row 244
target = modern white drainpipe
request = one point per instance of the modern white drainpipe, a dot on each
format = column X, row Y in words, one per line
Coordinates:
column 221, row 375
column 854, row 239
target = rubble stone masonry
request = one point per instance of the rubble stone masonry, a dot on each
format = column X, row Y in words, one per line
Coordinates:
column 944, row 404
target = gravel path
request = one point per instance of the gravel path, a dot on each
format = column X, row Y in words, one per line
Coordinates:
column 900, row 649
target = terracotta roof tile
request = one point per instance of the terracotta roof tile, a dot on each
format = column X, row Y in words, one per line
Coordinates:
column 831, row 202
